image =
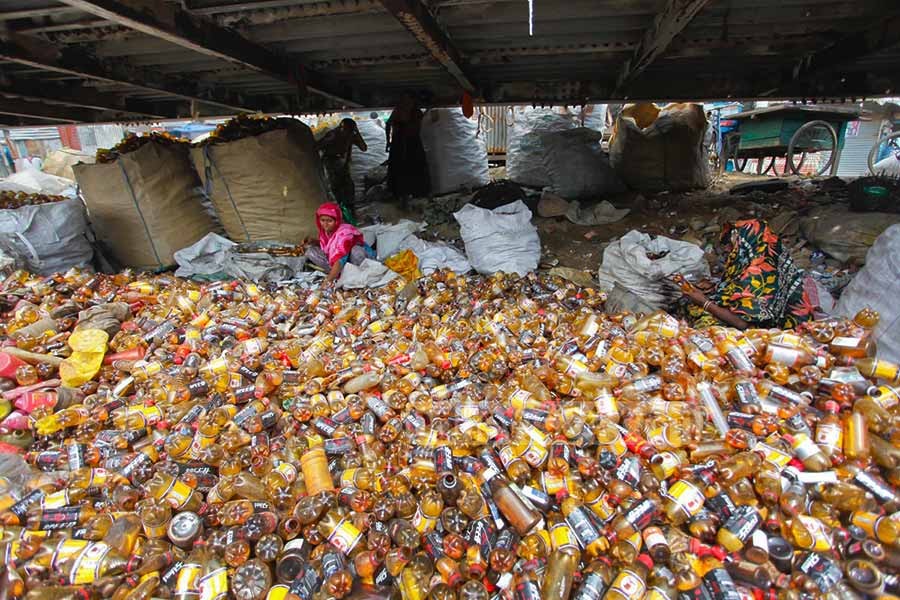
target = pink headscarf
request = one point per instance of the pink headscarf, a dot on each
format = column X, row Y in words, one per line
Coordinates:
column 338, row 244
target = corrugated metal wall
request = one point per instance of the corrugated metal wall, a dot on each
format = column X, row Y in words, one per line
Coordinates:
column 495, row 127
column 856, row 148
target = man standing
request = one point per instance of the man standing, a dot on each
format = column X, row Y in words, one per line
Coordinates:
column 336, row 147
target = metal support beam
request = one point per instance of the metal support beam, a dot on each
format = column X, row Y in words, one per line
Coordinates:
column 675, row 16
column 414, row 15
column 274, row 11
column 38, row 55
column 56, row 114
column 170, row 23
column 884, row 34
column 80, row 96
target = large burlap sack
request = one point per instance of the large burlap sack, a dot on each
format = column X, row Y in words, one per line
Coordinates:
column 525, row 150
column 265, row 187
column 457, row 154
column 46, row 238
column 657, row 151
column 145, row 206
column 842, row 234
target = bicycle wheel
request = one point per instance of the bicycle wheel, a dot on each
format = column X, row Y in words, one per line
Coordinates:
column 817, row 138
column 875, row 151
column 762, row 170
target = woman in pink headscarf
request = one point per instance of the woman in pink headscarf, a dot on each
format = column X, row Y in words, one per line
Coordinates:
column 339, row 243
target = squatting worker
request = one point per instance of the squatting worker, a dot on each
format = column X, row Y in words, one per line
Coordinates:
column 760, row 287
column 336, row 147
column 339, row 243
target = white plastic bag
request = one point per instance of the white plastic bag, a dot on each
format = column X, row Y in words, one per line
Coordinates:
column 577, row 166
column 369, row 274
column 38, row 182
column 372, row 132
column 457, row 156
column 389, row 239
column 47, row 238
column 877, row 285
column 626, row 261
column 525, row 150
column 502, row 239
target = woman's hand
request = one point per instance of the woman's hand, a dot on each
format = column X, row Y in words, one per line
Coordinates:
column 696, row 296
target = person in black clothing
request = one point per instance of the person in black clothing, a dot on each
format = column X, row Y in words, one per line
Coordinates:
column 407, row 165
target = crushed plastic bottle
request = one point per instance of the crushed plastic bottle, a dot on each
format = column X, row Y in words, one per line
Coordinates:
column 456, row 438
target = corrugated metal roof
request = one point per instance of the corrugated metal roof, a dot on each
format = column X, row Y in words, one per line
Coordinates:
column 34, row 133
column 221, row 56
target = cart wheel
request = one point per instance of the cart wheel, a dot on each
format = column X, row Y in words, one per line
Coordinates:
column 815, row 137
column 760, row 162
column 891, row 139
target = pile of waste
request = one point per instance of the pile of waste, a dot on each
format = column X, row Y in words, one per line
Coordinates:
column 455, row 437
column 131, row 142
column 246, row 125
column 13, row 200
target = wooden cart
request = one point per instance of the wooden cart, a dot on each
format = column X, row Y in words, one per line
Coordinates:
column 803, row 140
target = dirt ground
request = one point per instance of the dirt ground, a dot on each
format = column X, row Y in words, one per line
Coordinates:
column 685, row 215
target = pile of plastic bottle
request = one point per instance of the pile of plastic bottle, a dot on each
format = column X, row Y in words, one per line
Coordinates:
column 13, row 200
column 457, row 437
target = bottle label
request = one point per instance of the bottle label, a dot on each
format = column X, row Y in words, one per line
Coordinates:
column 178, row 493
column 87, row 566
column 65, row 550
column 886, row 397
column 667, row 462
column 606, row 405
column 278, row 592
column 186, row 584
column 629, row 585
column 820, row 538
column 653, row 536
column 59, row 518
column 782, row 354
column 584, row 529
column 561, row 537
column 659, row 437
column 535, row 454
column 288, row 471
column 592, row 588
column 867, row 521
column 823, row 571
column 830, row 436
column 214, row 585
column 773, row 456
column 345, row 536
column 686, row 497
column 55, row 500
column 720, row 585
column 20, row 508
column 804, row 447
column 553, row 484
column 305, row 583
column 422, row 522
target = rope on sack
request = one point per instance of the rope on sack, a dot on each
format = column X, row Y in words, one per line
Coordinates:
column 140, row 213
column 208, row 165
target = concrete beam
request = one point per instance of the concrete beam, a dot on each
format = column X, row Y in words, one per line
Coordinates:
column 415, row 16
column 170, row 23
column 675, row 16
